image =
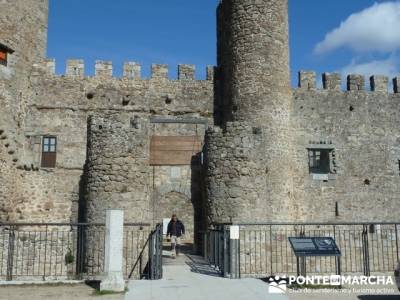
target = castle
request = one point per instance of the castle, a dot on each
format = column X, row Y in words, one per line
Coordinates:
column 241, row 145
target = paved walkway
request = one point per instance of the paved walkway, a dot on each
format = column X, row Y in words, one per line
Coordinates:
column 190, row 278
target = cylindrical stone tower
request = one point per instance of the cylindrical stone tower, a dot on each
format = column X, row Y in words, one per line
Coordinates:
column 249, row 161
column 117, row 167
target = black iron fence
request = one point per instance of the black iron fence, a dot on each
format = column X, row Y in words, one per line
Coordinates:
column 151, row 253
column 264, row 249
column 33, row 251
column 155, row 253
column 216, row 248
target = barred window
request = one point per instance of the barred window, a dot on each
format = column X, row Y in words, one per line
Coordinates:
column 319, row 161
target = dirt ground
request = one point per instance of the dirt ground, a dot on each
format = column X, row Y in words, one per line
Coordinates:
column 49, row 292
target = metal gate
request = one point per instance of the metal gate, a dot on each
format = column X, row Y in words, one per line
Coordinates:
column 218, row 249
column 155, row 253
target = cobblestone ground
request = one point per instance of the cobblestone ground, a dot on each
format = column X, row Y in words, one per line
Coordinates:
column 48, row 292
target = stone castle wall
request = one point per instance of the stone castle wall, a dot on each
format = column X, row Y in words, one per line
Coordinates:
column 361, row 126
column 24, row 30
column 60, row 106
column 256, row 160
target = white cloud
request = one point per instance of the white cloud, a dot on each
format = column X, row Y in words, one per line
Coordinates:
column 374, row 29
column 389, row 67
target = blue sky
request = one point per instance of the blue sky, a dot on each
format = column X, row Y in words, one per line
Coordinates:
column 183, row 31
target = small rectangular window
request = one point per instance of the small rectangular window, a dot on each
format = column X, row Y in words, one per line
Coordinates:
column 49, row 152
column 319, row 161
column 3, row 57
column 4, row 52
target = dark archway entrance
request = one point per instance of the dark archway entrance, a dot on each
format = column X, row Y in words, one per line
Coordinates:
column 181, row 205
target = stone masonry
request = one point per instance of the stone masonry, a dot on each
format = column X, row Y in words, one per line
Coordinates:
column 262, row 139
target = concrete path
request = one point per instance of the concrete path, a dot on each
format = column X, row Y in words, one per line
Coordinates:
column 190, row 278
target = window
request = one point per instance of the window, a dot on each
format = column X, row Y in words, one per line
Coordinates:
column 4, row 52
column 49, row 152
column 3, row 57
column 319, row 161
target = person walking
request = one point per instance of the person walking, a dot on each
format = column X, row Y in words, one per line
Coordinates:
column 175, row 230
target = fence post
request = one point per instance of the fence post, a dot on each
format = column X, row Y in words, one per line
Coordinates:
column 397, row 242
column 10, row 255
column 114, row 280
column 155, row 254
column 205, row 250
column 365, row 248
column 234, row 239
column 226, row 255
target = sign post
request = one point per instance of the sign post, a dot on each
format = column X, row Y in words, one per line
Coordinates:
column 234, row 235
column 304, row 247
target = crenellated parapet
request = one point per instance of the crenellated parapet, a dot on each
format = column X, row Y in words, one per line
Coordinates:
column 355, row 82
column 75, row 68
column 132, row 70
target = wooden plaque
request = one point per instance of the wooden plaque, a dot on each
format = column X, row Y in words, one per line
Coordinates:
column 174, row 150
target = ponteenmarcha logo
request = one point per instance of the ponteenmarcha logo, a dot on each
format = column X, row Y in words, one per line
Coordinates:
column 277, row 285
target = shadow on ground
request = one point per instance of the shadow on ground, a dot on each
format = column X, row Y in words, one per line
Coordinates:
column 201, row 267
column 379, row 297
column 94, row 284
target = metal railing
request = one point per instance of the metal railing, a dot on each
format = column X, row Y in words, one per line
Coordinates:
column 136, row 245
column 264, row 250
column 155, row 253
column 151, row 253
column 217, row 246
column 59, row 251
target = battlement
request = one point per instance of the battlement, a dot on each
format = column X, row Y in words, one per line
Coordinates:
column 355, row 82
column 75, row 68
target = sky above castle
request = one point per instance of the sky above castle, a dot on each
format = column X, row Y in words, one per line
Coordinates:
column 343, row 36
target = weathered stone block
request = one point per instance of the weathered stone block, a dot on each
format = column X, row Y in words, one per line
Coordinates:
column 132, row 70
column 75, row 68
column 331, row 81
column 379, row 83
column 307, row 80
column 103, row 69
column 211, row 70
column 159, row 71
column 186, row 72
column 355, row 82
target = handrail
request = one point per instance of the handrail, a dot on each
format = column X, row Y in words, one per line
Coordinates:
column 139, row 258
column 69, row 224
column 304, row 223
